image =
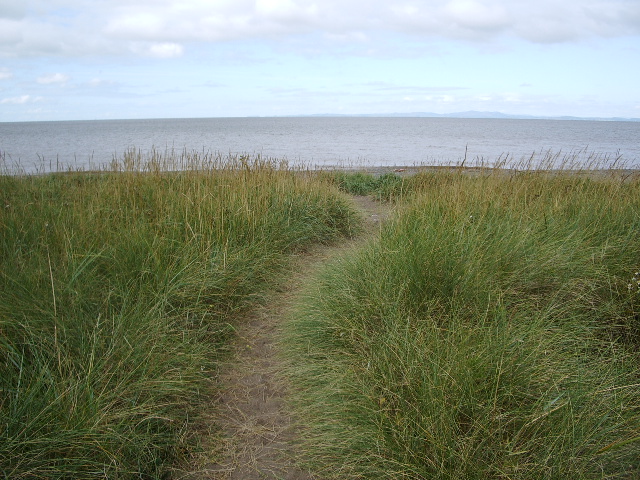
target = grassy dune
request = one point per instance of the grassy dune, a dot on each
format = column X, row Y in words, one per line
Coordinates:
column 117, row 293
column 493, row 331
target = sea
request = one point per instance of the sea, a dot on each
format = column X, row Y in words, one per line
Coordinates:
column 323, row 142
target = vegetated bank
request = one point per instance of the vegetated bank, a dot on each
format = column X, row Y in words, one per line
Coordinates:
column 492, row 331
column 118, row 290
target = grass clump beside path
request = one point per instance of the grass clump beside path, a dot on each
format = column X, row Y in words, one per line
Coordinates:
column 384, row 187
column 492, row 331
column 117, row 289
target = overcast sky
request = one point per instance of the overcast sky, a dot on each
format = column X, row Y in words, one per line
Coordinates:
column 100, row 59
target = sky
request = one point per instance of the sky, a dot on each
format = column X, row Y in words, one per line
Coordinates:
column 116, row 59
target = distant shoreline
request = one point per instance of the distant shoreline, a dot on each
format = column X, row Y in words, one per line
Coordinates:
column 474, row 115
column 470, row 115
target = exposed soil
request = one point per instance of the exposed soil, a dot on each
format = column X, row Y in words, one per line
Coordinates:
column 259, row 431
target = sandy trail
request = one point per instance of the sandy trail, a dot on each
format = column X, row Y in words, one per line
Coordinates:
column 259, row 431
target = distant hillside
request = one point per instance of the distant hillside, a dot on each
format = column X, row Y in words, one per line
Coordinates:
column 474, row 114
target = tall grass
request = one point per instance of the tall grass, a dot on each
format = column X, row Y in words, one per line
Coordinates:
column 490, row 332
column 118, row 290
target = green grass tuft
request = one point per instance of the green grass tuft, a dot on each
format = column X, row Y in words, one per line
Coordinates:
column 118, row 291
column 385, row 187
column 488, row 333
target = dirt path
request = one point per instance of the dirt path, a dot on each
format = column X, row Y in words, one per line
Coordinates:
column 259, row 432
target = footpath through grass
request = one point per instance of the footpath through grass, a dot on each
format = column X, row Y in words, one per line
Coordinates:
column 492, row 331
column 118, row 289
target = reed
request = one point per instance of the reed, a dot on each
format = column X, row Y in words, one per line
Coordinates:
column 492, row 331
column 119, row 289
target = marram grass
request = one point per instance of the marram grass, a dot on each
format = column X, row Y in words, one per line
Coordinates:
column 118, row 289
column 492, row 331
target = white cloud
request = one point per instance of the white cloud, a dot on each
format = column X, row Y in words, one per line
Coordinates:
column 20, row 100
column 53, row 78
column 473, row 14
column 287, row 11
column 12, row 9
column 510, row 97
column 157, row 50
column 37, row 27
column 280, row 8
column 34, row 36
column 166, row 50
column 5, row 74
column 138, row 24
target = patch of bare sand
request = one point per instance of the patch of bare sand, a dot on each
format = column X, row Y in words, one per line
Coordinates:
column 259, row 432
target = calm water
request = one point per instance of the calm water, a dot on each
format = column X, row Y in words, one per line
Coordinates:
column 317, row 141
